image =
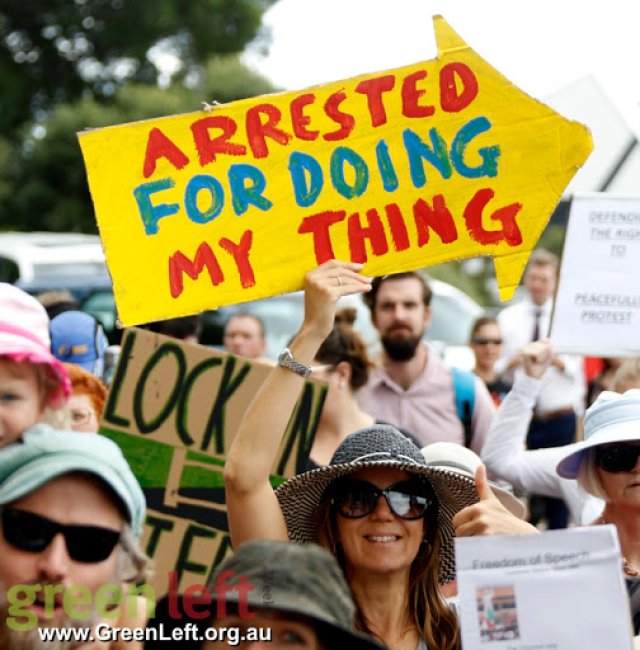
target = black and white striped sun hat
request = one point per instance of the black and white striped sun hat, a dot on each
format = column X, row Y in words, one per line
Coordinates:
column 376, row 446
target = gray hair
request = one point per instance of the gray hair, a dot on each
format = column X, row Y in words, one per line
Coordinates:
column 133, row 564
column 588, row 478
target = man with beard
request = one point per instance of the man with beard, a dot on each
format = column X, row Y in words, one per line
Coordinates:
column 414, row 388
column 71, row 515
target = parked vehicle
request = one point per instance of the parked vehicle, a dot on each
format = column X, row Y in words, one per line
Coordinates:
column 50, row 261
column 46, row 257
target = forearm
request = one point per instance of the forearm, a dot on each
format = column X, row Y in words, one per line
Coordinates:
column 505, row 454
column 252, row 507
column 505, row 444
column 257, row 440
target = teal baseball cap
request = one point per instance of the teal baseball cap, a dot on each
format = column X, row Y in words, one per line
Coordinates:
column 45, row 453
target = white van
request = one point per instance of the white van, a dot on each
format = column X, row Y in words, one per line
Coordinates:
column 50, row 257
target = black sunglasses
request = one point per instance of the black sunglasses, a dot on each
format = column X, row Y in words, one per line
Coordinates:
column 32, row 533
column 355, row 499
column 480, row 340
column 617, row 458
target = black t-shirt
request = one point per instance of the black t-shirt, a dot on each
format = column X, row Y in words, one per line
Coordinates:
column 498, row 390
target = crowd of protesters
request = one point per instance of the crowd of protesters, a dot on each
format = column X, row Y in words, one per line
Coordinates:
column 359, row 548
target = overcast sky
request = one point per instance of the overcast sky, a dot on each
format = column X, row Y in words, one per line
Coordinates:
column 540, row 46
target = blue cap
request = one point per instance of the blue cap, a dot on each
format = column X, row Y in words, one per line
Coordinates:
column 611, row 418
column 45, row 453
column 77, row 337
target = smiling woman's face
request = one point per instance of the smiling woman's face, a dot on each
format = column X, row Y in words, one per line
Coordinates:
column 380, row 542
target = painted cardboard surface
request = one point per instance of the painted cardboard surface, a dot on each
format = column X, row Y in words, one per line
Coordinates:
column 597, row 307
column 173, row 408
column 440, row 160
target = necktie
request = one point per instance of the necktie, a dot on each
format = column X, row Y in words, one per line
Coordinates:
column 536, row 325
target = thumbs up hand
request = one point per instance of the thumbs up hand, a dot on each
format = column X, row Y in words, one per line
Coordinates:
column 488, row 516
column 482, row 485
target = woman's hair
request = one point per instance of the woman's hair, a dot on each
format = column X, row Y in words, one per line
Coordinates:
column 588, row 478
column 85, row 383
column 481, row 321
column 181, row 327
column 345, row 344
column 436, row 621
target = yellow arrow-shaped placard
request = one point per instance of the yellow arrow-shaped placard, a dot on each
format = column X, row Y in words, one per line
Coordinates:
column 402, row 169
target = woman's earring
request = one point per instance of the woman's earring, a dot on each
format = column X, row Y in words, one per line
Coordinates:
column 427, row 545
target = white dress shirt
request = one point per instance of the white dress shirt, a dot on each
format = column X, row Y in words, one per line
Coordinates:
column 534, row 470
column 561, row 389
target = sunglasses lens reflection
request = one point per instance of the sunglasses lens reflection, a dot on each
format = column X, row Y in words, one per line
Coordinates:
column 360, row 499
column 357, row 501
column 618, row 458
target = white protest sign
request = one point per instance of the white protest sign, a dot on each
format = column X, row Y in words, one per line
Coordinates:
column 560, row 590
column 597, row 306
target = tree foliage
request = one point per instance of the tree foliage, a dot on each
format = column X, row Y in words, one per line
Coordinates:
column 55, row 51
column 68, row 65
column 50, row 189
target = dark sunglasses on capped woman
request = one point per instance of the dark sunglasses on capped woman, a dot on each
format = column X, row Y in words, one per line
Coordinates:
column 356, row 499
column 33, row 533
column 617, row 457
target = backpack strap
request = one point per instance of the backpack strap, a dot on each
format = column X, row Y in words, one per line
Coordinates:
column 464, row 391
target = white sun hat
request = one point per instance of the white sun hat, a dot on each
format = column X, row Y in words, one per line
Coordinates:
column 613, row 417
column 464, row 461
